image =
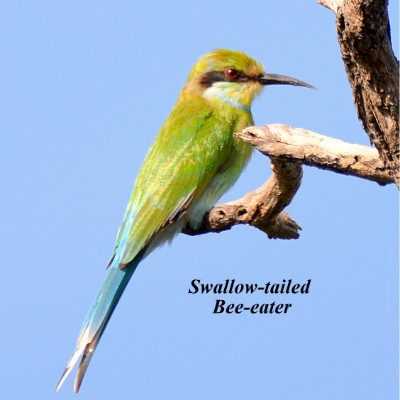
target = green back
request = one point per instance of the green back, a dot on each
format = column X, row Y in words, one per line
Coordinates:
column 193, row 143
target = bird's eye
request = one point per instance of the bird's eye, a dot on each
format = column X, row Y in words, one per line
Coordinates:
column 231, row 73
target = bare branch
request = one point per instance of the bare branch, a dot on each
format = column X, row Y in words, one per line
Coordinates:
column 313, row 149
column 289, row 148
column 262, row 207
column 373, row 71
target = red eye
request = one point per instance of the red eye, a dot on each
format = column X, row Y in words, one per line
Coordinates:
column 231, row 73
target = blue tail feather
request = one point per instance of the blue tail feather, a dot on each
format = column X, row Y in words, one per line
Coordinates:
column 98, row 316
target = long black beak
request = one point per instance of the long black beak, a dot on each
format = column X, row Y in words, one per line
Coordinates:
column 274, row 79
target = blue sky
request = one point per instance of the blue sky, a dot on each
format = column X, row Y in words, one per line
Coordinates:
column 84, row 88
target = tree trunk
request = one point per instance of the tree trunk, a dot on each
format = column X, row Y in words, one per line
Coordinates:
column 373, row 71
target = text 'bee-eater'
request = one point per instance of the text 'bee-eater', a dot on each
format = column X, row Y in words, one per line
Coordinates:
column 194, row 160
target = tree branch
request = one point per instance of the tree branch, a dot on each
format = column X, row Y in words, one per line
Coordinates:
column 373, row 71
column 313, row 149
column 289, row 148
column 261, row 208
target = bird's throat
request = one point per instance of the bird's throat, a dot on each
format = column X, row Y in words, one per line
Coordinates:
column 220, row 93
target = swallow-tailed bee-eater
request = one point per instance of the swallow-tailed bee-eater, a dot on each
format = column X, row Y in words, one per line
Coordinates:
column 194, row 159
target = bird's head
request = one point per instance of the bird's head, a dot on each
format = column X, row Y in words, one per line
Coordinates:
column 232, row 77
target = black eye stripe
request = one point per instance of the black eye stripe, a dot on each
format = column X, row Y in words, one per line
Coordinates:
column 207, row 79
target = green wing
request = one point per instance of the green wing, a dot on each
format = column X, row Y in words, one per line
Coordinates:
column 190, row 147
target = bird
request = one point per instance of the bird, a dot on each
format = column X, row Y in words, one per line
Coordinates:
column 193, row 161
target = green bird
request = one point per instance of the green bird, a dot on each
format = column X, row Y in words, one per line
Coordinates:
column 194, row 160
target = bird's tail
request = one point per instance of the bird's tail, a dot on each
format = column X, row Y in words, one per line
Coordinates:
column 97, row 318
